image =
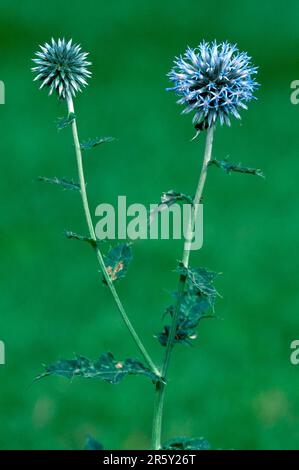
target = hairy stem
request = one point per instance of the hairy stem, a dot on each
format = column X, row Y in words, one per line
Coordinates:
column 99, row 255
column 160, row 387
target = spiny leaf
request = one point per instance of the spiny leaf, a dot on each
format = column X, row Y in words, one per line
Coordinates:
column 63, row 122
column 193, row 309
column 185, row 443
column 199, row 297
column 83, row 238
column 236, row 167
column 171, row 197
column 167, row 200
column 201, row 280
column 92, row 444
column 91, row 143
column 117, row 261
column 105, row 368
column 65, row 184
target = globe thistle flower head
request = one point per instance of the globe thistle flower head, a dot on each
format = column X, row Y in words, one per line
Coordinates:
column 213, row 81
column 61, row 66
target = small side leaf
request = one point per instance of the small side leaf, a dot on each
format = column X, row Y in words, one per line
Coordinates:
column 91, row 143
column 105, row 368
column 63, row 122
column 76, row 236
column 117, row 261
column 92, row 444
column 185, row 443
column 236, row 167
column 65, row 184
column 169, row 198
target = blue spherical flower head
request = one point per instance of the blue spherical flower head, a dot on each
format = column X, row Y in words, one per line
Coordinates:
column 61, row 66
column 213, row 81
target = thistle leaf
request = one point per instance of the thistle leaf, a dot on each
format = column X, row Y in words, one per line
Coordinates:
column 185, row 443
column 194, row 308
column 76, row 236
column 198, row 298
column 91, row 143
column 65, row 184
column 64, row 122
column 92, row 444
column 105, row 368
column 236, row 167
column 201, row 280
column 167, row 200
column 117, row 261
column 171, row 197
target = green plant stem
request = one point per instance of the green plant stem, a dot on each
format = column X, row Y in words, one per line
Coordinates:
column 99, row 255
column 160, row 387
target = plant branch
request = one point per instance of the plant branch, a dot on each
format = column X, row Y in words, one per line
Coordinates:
column 99, row 255
column 160, row 387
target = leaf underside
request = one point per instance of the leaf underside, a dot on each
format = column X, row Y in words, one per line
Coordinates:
column 106, row 368
column 228, row 168
column 117, row 261
column 91, row 143
column 171, row 197
column 75, row 236
column 64, row 183
column 65, row 121
column 198, row 299
column 167, row 200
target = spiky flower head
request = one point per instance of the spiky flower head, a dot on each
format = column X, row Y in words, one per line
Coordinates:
column 214, row 81
column 61, row 66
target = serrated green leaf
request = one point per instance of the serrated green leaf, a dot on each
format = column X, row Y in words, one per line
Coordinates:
column 171, row 197
column 83, row 238
column 65, row 184
column 105, row 368
column 91, row 143
column 92, row 444
column 228, row 168
column 201, row 280
column 117, row 261
column 185, row 443
column 167, row 200
column 63, row 122
column 199, row 297
column 194, row 308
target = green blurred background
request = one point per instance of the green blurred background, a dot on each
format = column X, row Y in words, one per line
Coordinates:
column 236, row 385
